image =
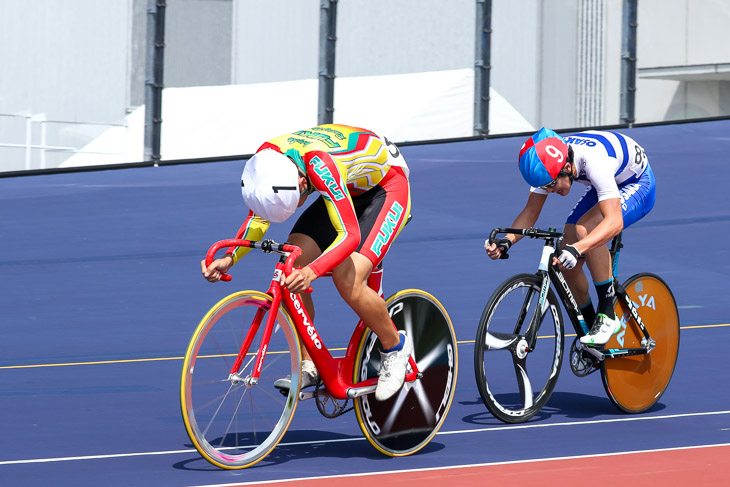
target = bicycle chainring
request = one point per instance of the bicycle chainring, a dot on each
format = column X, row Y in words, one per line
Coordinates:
column 581, row 363
column 328, row 406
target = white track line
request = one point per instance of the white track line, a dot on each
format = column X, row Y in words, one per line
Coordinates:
column 452, row 467
column 440, row 433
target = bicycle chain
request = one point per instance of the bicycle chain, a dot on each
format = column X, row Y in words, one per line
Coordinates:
column 339, row 410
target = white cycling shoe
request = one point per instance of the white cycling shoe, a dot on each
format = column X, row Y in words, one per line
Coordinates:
column 310, row 377
column 393, row 367
column 603, row 329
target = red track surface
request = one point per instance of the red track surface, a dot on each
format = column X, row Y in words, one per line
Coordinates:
column 666, row 468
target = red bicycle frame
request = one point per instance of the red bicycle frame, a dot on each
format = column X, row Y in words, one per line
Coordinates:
column 336, row 373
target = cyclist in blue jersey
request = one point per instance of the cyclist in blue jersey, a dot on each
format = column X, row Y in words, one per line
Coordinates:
column 621, row 190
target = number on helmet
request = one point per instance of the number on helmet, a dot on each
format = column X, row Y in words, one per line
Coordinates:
column 554, row 152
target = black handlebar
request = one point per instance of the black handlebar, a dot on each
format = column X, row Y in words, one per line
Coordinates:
column 531, row 232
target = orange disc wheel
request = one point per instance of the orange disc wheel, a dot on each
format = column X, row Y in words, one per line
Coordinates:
column 635, row 383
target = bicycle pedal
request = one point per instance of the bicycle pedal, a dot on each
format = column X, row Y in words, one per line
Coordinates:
column 283, row 390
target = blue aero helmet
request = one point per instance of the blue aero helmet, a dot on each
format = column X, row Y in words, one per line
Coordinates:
column 542, row 157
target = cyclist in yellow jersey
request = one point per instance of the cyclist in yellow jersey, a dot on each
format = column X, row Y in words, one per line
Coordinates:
column 364, row 202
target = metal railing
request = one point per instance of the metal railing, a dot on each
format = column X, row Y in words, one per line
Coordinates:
column 42, row 147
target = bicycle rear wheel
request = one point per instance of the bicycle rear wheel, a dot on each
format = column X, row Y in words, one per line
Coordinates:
column 232, row 421
column 636, row 383
column 406, row 422
column 513, row 391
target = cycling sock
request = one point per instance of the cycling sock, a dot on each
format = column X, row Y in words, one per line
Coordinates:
column 397, row 347
column 605, row 298
column 589, row 314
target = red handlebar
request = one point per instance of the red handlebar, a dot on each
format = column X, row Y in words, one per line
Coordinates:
column 265, row 245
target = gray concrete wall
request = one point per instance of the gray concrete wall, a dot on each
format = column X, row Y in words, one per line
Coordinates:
column 84, row 60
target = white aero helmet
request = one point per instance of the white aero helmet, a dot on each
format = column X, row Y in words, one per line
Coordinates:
column 270, row 185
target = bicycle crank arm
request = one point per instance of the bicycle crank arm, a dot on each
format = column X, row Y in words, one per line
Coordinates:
column 304, row 395
column 604, row 353
column 354, row 392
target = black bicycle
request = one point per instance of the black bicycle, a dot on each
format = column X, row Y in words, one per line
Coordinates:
column 520, row 340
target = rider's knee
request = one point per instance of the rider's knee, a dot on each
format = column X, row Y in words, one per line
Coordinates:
column 581, row 231
column 572, row 234
column 310, row 249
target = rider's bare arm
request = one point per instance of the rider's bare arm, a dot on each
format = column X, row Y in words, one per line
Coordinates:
column 526, row 219
column 529, row 214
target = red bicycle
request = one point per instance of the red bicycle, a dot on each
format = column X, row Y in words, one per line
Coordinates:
column 235, row 416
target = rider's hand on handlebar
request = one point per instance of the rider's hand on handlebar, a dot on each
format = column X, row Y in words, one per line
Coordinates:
column 299, row 280
column 569, row 256
column 496, row 249
column 216, row 268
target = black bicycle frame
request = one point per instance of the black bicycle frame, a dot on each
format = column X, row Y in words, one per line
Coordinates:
column 551, row 273
column 615, row 252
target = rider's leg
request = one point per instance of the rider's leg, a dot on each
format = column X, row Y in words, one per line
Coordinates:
column 576, row 277
column 350, row 278
column 578, row 282
column 598, row 261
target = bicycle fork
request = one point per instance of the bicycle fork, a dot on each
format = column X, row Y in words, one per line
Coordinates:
column 253, row 378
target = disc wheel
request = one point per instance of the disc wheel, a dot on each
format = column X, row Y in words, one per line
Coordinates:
column 635, row 383
column 406, row 422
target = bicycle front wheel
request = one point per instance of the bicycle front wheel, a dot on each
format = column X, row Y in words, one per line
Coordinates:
column 635, row 383
column 406, row 422
column 233, row 420
column 516, row 377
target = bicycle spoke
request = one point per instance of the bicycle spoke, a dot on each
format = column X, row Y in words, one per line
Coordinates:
column 523, row 382
column 218, row 409
column 499, row 341
column 219, row 399
column 234, row 417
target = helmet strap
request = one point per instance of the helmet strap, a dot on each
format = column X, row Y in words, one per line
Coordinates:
column 570, row 160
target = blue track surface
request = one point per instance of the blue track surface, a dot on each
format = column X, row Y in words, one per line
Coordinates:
column 105, row 267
